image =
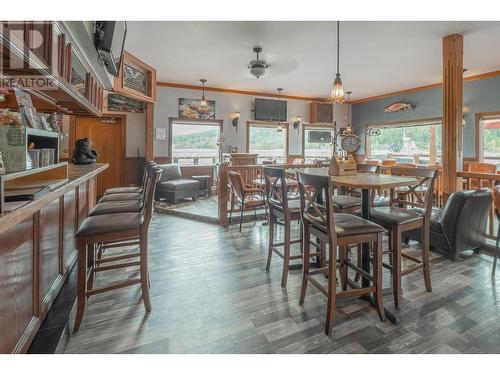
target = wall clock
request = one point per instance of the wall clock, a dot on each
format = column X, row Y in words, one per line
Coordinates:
column 350, row 143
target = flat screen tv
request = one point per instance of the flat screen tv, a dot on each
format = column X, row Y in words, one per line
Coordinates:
column 110, row 40
column 319, row 136
column 270, row 110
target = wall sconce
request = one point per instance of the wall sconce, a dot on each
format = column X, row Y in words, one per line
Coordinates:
column 296, row 122
column 235, row 117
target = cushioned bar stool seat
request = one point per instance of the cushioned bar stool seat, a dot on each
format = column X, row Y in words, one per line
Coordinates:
column 121, row 197
column 394, row 215
column 101, row 224
column 116, row 207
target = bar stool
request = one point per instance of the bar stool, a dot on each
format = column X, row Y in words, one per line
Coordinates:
column 282, row 211
column 398, row 219
column 496, row 201
column 133, row 189
column 336, row 230
column 122, row 229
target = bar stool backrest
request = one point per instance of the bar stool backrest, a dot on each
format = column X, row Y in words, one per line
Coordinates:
column 238, row 185
column 314, row 189
column 147, row 169
column 411, row 197
column 276, row 188
column 147, row 209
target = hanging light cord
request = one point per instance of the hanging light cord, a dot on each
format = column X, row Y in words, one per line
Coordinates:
column 338, row 47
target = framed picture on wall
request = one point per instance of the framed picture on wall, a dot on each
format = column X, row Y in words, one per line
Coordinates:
column 190, row 109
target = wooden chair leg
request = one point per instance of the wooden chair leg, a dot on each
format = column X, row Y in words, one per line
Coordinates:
column 359, row 261
column 241, row 215
column 496, row 251
column 378, row 296
column 425, row 257
column 271, row 242
column 396, row 266
column 305, row 261
column 231, row 211
column 91, row 263
column 144, row 271
column 343, row 254
column 286, row 253
column 332, row 289
column 81, row 248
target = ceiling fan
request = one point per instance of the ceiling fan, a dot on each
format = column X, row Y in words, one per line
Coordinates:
column 257, row 67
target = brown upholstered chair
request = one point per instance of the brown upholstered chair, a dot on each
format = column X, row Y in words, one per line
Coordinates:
column 246, row 196
column 114, row 230
column 335, row 230
column 398, row 219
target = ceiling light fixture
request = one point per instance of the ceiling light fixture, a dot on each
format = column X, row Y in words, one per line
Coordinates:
column 257, row 67
column 337, row 95
column 203, row 103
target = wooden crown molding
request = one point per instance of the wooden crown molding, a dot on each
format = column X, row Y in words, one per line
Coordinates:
column 422, row 88
column 239, row 92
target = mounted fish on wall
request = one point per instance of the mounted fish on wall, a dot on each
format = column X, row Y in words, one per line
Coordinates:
column 397, row 107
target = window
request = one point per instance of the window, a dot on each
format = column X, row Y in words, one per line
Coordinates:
column 269, row 141
column 316, row 145
column 407, row 143
column 490, row 141
column 195, row 144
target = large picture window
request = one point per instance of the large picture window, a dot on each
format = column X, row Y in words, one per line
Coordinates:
column 489, row 134
column 194, row 143
column 317, row 143
column 269, row 141
column 416, row 142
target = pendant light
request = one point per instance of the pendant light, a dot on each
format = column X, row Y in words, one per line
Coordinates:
column 279, row 129
column 203, row 103
column 337, row 95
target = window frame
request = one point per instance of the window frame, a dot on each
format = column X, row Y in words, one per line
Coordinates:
column 481, row 116
column 179, row 121
column 319, row 126
column 267, row 124
column 402, row 124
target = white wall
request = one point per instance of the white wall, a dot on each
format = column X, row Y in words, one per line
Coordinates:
column 225, row 103
column 136, row 134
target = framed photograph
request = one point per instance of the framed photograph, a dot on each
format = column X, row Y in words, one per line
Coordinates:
column 190, row 109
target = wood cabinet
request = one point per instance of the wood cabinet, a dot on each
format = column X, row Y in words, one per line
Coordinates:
column 320, row 113
column 36, row 254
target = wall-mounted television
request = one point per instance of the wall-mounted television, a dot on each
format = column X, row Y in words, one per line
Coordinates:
column 110, row 41
column 270, row 110
column 319, row 136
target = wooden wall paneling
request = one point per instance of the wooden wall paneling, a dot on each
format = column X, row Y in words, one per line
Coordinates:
column 16, row 284
column 69, row 227
column 91, row 194
column 150, row 130
column 49, row 232
column 321, row 112
column 198, row 170
column 82, row 203
column 223, row 195
column 452, row 113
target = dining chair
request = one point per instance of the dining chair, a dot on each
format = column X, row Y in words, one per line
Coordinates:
column 342, row 230
column 397, row 219
column 496, row 201
column 245, row 196
column 478, row 167
column 389, row 162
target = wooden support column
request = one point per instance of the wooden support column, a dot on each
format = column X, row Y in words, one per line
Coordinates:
column 452, row 113
column 150, row 116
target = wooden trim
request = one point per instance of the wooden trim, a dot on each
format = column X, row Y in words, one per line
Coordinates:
column 172, row 120
column 264, row 124
column 239, row 92
column 422, row 88
column 479, row 116
column 151, row 75
column 150, row 131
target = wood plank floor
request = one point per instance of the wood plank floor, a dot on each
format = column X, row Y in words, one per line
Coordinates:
column 211, row 294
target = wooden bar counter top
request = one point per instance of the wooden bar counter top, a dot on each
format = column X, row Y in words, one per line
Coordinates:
column 37, row 251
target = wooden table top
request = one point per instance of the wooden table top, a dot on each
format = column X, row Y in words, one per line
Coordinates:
column 362, row 180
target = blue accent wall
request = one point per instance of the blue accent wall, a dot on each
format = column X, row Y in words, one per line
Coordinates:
column 482, row 95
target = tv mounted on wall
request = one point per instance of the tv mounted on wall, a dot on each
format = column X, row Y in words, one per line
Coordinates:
column 270, row 110
column 109, row 40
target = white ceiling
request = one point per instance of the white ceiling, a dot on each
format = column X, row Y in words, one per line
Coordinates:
column 375, row 57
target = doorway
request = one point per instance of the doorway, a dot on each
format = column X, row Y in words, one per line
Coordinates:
column 107, row 136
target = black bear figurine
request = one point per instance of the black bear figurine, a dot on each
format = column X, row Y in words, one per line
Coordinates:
column 83, row 153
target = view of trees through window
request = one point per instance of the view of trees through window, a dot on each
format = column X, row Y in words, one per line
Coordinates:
column 268, row 142
column 195, row 144
column 491, row 141
column 407, row 144
column 314, row 151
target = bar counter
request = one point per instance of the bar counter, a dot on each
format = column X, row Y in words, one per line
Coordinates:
column 37, row 251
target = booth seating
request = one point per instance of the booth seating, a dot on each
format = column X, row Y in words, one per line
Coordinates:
column 334, row 230
column 173, row 187
column 460, row 225
column 117, row 230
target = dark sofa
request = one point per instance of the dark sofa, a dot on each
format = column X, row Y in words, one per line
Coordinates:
column 173, row 187
column 460, row 225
